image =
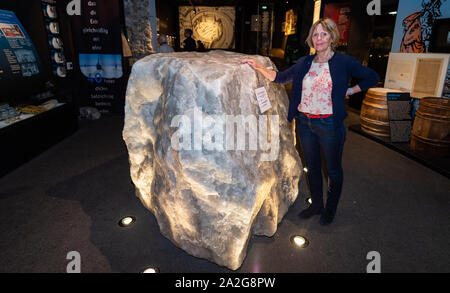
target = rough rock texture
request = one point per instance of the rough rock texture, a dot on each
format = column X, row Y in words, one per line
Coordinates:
column 208, row 198
column 137, row 19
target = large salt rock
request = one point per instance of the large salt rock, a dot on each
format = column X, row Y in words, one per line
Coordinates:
column 208, row 188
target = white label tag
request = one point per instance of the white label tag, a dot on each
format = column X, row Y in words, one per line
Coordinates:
column 263, row 99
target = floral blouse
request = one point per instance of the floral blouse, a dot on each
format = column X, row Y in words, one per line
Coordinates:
column 316, row 90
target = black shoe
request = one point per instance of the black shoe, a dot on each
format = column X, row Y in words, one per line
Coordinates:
column 327, row 217
column 309, row 212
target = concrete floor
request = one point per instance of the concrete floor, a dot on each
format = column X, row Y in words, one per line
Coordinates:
column 71, row 197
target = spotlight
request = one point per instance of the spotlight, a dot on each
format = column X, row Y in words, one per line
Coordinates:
column 309, row 200
column 299, row 241
column 305, row 170
column 150, row 271
column 264, row 7
column 127, row 221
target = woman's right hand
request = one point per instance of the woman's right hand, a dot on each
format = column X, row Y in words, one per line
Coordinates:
column 269, row 74
column 252, row 63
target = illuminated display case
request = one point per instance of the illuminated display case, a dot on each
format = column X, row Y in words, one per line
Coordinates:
column 37, row 35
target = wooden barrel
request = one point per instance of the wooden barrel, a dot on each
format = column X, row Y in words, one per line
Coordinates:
column 431, row 128
column 374, row 112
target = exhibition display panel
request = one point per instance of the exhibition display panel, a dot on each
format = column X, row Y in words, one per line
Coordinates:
column 36, row 103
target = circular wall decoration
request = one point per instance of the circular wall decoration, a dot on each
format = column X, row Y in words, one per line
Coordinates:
column 213, row 26
column 53, row 27
column 50, row 11
column 208, row 30
column 56, row 43
column 61, row 71
column 58, row 57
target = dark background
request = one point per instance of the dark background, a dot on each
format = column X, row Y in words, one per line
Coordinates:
column 363, row 28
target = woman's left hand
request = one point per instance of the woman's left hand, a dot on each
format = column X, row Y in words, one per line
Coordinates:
column 353, row 90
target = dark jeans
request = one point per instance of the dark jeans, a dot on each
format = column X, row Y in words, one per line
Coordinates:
column 320, row 134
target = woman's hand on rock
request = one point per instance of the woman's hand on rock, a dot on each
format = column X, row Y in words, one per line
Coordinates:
column 252, row 63
column 269, row 74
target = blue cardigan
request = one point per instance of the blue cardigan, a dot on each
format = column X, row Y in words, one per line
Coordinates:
column 342, row 67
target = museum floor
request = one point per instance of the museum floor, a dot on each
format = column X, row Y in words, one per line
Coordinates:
column 71, row 197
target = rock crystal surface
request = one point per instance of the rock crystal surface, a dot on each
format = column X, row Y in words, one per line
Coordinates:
column 205, row 161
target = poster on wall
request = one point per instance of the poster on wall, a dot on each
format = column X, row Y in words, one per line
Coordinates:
column 98, row 43
column 340, row 14
column 213, row 26
column 18, row 56
column 414, row 24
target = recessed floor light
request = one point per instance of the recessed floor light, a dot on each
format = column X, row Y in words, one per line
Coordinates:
column 127, row 221
column 299, row 241
column 150, row 271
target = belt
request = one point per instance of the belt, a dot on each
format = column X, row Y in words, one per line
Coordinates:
column 317, row 115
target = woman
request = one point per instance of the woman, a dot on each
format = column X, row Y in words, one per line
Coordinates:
column 319, row 88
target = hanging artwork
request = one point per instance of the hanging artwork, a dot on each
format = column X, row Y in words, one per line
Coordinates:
column 213, row 26
column 414, row 24
column 290, row 23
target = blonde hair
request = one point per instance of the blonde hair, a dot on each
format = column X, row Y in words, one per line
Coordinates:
column 328, row 25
